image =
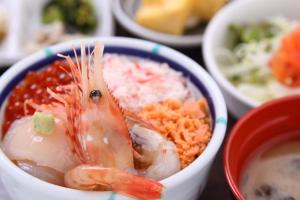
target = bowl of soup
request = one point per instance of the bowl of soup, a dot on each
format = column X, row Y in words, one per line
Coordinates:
column 83, row 120
column 262, row 153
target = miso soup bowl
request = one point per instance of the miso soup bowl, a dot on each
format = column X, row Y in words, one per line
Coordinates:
column 276, row 122
column 184, row 185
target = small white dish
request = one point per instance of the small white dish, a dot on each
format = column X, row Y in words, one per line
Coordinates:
column 216, row 36
column 23, row 18
column 124, row 11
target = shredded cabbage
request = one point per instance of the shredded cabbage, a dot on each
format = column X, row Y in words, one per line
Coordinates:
column 246, row 65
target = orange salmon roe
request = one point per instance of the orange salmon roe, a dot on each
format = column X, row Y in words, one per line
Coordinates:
column 34, row 86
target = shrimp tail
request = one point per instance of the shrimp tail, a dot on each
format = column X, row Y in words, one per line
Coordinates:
column 89, row 177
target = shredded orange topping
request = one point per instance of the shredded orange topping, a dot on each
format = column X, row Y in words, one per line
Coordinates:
column 187, row 124
column 286, row 62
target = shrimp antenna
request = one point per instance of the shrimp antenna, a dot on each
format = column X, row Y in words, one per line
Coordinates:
column 84, row 73
column 61, row 67
column 76, row 56
column 61, row 55
column 57, row 97
column 65, row 70
column 93, row 52
column 89, row 56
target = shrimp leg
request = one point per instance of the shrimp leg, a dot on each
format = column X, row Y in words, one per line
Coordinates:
column 88, row 177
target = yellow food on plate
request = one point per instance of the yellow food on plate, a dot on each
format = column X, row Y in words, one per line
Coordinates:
column 3, row 25
column 172, row 16
column 167, row 16
column 186, row 124
column 152, row 2
column 205, row 10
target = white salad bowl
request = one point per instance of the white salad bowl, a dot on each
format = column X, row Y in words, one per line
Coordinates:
column 184, row 185
column 216, row 36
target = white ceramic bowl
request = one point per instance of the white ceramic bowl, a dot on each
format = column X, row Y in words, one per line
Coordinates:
column 124, row 10
column 184, row 185
column 216, row 37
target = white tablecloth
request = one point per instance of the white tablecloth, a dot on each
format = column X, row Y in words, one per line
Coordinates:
column 3, row 193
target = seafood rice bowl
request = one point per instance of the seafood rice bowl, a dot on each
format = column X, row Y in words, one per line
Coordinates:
column 111, row 118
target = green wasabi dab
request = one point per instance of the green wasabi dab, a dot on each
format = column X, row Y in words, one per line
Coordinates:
column 43, row 123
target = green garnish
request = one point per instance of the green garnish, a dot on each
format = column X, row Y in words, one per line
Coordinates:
column 43, row 123
column 77, row 15
column 247, row 33
column 51, row 14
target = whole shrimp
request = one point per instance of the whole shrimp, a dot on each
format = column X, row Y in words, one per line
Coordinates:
column 99, row 132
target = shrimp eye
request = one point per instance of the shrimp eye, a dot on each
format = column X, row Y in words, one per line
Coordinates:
column 95, row 95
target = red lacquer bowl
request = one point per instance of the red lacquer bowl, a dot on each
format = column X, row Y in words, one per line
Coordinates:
column 278, row 120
